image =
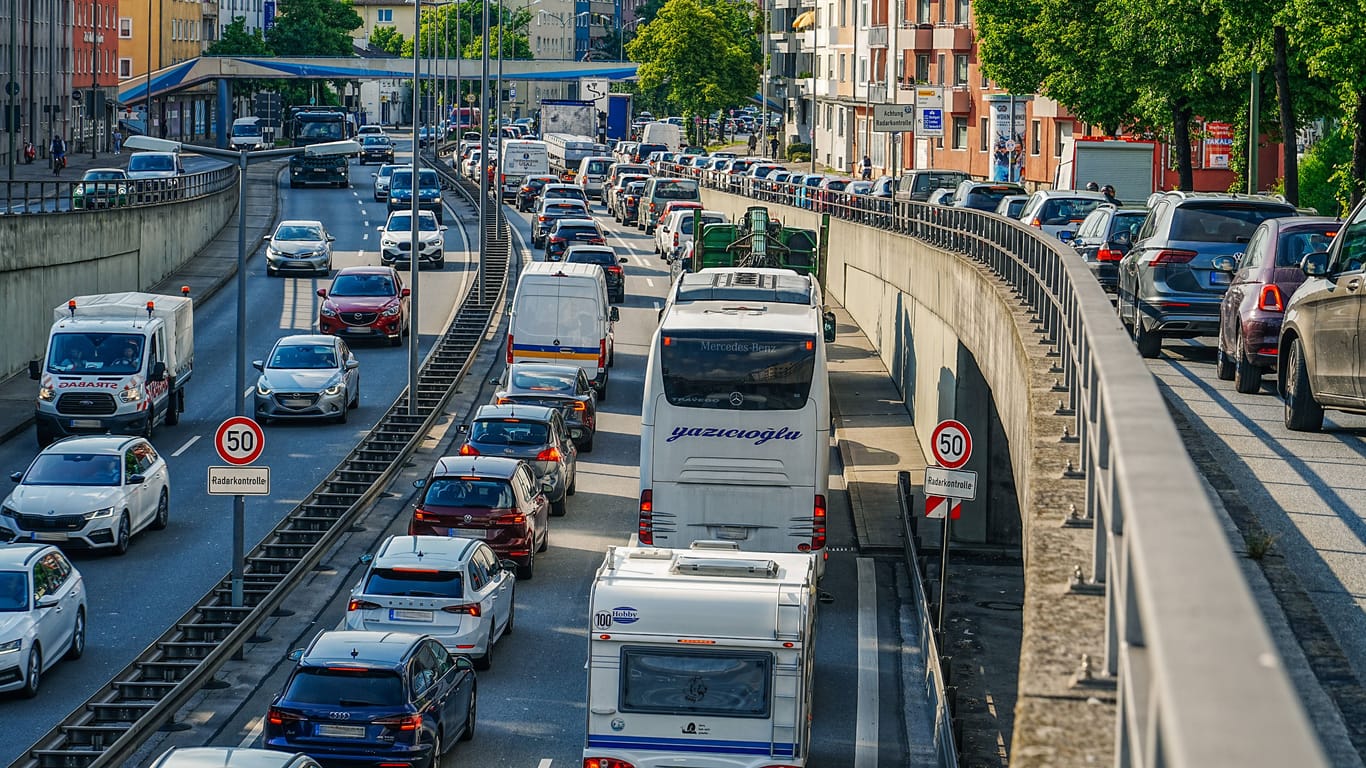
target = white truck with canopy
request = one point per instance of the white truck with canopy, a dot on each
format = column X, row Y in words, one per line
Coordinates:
column 700, row 657
column 115, row 363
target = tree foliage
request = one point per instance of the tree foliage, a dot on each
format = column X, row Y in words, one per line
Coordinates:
column 388, row 39
column 313, row 28
column 703, row 53
column 237, row 40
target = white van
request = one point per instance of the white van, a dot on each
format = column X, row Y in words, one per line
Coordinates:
column 247, row 134
column 561, row 314
column 700, row 657
column 667, row 134
column 592, row 173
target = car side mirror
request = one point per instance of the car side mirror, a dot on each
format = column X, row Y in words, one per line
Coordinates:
column 1225, row 263
column 267, row 238
column 1067, row 235
column 614, row 315
column 622, row 260
column 322, row 292
column 420, row 482
column 1315, row 264
column 365, row 559
column 464, row 429
column 444, row 227
column 16, row 476
column 462, row 662
column 508, row 565
column 259, row 365
column 35, row 369
column 374, row 175
column 137, row 479
column 406, row 292
column 547, row 485
column 828, row 326
column 331, row 239
column 352, row 364
column 48, row 601
column 158, row 371
column 295, row 655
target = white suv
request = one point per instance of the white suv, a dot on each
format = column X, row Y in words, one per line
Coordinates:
column 42, row 614
column 92, row 492
column 452, row 588
column 396, row 237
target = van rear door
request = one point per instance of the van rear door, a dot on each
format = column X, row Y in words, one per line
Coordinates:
column 559, row 320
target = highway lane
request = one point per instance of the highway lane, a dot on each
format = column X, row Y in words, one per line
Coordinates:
column 531, row 704
column 133, row 599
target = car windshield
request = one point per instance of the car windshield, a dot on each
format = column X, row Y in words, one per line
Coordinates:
column 151, row 163
column 13, row 591
column 362, row 285
column 1222, row 222
column 414, row 582
column 314, row 356
column 246, row 130
column 371, row 141
column 587, row 256
column 103, row 175
column 345, row 687
column 104, row 352
column 386, row 171
column 635, row 188
column 510, row 432
column 545, row 380
column 403, row 222
column 469, row 492
column 291, row 232
column 987, row 198
column 1297, row 244
column 90, row 469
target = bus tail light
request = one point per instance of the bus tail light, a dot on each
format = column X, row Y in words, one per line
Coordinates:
column 818, row 523
column 646, row 530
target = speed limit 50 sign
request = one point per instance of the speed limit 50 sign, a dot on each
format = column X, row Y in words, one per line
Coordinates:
column 239, row 440
column 951, row 444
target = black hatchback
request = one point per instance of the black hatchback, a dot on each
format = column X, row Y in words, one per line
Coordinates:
column 1103, row 238
column 553, row 385
column 571, row 231
column 604, row 257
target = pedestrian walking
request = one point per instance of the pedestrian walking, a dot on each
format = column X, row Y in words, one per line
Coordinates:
column 773, row 147
column 753, row 142
column 58, row 151
column 867, row 168
column 118, row 141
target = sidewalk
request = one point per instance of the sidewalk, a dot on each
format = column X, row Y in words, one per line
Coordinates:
column 77, row 163
column 204, row 273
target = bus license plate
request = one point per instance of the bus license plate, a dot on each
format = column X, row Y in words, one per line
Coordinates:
column 402, row 614
column 341, row 731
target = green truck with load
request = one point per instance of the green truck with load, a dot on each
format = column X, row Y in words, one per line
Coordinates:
column 757, row 241
column 317, row 127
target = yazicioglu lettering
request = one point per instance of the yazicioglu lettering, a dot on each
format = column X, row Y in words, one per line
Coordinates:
column 757, row 436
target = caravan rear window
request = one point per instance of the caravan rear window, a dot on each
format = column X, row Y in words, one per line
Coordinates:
column 695, row 682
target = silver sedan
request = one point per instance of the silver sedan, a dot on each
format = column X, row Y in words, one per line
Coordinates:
column 299, row 245
column 308, row 376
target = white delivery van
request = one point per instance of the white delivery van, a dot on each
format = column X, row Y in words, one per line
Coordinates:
column 700, row 657
column 592, row 173
column 560, row 314
column 667, row 134
column 247, row 134
column 521, row 158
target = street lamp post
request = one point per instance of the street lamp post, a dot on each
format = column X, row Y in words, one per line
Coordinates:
column 243, row 159
column 483, row 152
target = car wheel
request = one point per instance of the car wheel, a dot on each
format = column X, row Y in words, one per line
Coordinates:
column 122, row 534
column 1302, row 411
column 77, row 647
column 1247, row 376
column 271, row 271
column 436, row 750
column 602, row 393
column 561, row 507
column 468, row 733
column 573, row 484
column 1223, row 366
column 174, row 405
column 149, row 425
column 163, row 516
column 486, row 661
column 34, row 677
column 355, row 401
column 512, row 605
column 378, row 199
column 1149, row 344
column 441, row 263
column 527, row 571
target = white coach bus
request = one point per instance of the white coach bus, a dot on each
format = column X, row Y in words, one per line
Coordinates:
column 735, row 423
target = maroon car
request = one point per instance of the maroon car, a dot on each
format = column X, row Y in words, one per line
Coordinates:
column 1261, row 283
column 365, row 302
column 492, row 498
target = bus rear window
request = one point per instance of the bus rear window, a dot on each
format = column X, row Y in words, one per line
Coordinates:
column 695, row 682
column 737, row 371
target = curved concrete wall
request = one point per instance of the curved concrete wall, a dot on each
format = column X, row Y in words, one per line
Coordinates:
column 47, row 259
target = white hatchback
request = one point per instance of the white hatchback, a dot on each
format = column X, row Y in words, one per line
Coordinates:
column 42, row 614
column 452, row 588
column 92, row 492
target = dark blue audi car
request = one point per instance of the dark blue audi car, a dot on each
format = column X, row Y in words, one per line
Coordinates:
column 374, row 698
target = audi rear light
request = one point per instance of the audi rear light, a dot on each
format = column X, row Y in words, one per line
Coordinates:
column 357, row 604
column 549, row 454
column 645, row 531
column 469, row 609
column 606, row 762
column 509, row 349
column 277, row 716
column 1109, row 254
column 1172, row 256
column 468, row 450
column 1270, row 299
column 406, row 722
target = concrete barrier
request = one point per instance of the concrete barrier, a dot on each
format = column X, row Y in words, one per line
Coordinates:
column 45, row 260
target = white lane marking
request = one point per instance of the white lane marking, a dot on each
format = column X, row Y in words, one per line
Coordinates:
column 246, row 393
column 866, row 719
column 252, row 733
column 186, row 446
column 365, row 236
column 367, row 225
column 650, row 282
column 545, row 763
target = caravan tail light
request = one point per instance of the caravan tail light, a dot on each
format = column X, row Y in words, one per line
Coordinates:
column 605, row 762
column 646, row 530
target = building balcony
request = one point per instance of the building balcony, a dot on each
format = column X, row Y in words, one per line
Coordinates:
column 919, row 39
column 877, row 93
column 958, row 100
column 877, row 37
column 209, row 9
column 957, row 38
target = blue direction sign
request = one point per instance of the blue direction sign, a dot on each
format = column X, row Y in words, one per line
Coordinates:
column 933, row 119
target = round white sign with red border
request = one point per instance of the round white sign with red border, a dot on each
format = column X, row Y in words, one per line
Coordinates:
column 239, row 440
column 951, row 444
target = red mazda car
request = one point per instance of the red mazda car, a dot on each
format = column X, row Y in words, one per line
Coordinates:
column 365, row 302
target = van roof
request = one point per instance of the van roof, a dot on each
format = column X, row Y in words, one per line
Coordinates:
column 560, row 269
column 741, row 314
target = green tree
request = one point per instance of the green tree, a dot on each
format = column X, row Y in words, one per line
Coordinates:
column 704, row 53
column 1336, row 51
column 388, row 39
column 517, row 45
column 313, row 28
column 238, row 41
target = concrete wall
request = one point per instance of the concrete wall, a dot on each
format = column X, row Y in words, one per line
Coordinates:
column 47, row 259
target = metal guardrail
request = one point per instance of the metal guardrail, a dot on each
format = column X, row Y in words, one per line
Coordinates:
column 114, row 723
column 76, row 196
column 947, row 732
column 1200, row 682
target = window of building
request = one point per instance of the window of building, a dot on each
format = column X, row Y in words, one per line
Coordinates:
column 1035, row 138
column 863, row 69
column 863, row 14
column 844, row 7
column 982, row 133
column 985, row 82
column 900, row 66
column 961, row 12
column 960, row 133
column 922, row 68
column 125, row 68
column 1060, row 130
column 384, row 15
column 841, row 67
column 840, row 124
column 943, row 11
column 960, row 69
column 940, row 62
column 922, row 11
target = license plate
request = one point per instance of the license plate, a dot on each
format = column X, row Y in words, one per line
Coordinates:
column 732, row 533
column 320, row 170
column 469, row 533
column 296, row 403
column 341, row 731
column 402, row 614
column 85, row 423
column 359, row 329
column 40, row 536
column 1220, row 278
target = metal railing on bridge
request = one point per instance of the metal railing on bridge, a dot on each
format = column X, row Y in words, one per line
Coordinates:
column 1200, row 682
column 79, row 196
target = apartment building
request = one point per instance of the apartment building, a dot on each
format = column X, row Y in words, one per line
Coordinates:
column 36, row 55
column 158, row 34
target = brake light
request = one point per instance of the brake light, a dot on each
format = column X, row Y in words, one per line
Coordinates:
column 540, row 218
column 605, row 762
column 468, row 450
column 1108, row 254
column 1036, row 223
column 675, row 239
column 502, row 178
column 277, row 716
column 579, row 405
column 817, row 523
column 360, row 605
column 1270, row 300
column 614, row 269
column 505, row 401
column 645, row 531
column 549, row 454
column 509, row 349
column 425, row 517
column 469, row 609
column 401, row 722
column 602, row 354
column 512, row 519
column 1170, row 256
